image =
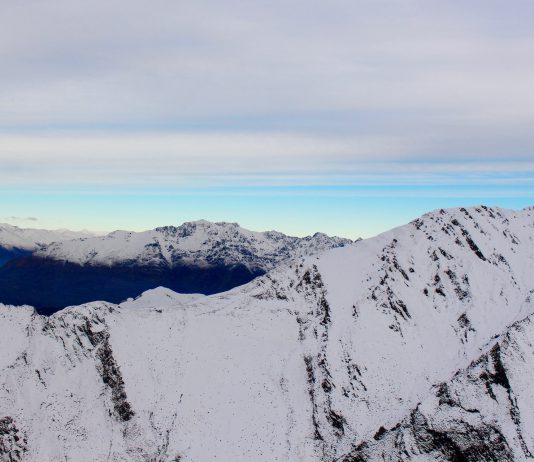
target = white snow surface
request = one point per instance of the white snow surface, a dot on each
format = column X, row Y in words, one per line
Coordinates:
column 13, row 237
column 302, row 364
column 199, row 242
column 485, row 412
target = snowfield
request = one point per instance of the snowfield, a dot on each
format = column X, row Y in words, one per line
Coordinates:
column 415, row 345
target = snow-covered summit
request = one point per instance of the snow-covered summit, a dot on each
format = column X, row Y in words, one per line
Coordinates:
column 415, row 345
column 197, row 242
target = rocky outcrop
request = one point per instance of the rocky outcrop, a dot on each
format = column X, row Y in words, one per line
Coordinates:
column 12, row 441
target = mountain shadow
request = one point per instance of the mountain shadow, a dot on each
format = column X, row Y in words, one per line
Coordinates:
column 6, row 255
column 50, row 285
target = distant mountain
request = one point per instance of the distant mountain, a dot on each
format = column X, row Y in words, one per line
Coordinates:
column 13, row 237
column 415, row 345
column 196, row 257
column 197, row 243
column 16, row 242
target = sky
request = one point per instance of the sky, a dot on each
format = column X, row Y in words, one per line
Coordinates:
column 346, row 117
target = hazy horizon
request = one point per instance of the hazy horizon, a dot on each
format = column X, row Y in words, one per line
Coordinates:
column 32, row 223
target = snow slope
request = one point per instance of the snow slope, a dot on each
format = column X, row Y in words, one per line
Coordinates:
column 306, row 363
column 484, row 413
column 198, row 242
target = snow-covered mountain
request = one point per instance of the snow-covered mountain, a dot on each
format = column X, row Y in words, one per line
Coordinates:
column 415, row 345
column 16, row 242
column 198, row 242
column 13, row 237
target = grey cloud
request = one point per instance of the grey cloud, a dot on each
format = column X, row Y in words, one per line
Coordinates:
column 228, row 159
column 69, row 62
column 285, row 89
column 13, row 218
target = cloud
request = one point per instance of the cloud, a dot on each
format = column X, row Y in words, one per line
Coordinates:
column 174, row 161
column 12, row 218
column 202, row 62
column 205, row 94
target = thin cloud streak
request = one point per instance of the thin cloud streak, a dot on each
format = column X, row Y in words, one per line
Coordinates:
column 169, row 61
column 408, row 192
column 276, row 159
column 12, row 218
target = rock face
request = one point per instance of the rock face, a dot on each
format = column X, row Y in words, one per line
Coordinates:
column 414, row 345
column 197, row 257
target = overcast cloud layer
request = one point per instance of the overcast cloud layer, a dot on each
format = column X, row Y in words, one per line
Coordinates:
column 275, row 92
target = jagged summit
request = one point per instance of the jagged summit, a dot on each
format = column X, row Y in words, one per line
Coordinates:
column 413, row 345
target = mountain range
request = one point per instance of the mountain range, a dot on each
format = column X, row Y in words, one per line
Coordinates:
column 415, row 345
column 52, row 270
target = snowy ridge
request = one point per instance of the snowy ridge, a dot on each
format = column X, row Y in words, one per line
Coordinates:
column 13, row 237
column 335, row 357
column 198, row 242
